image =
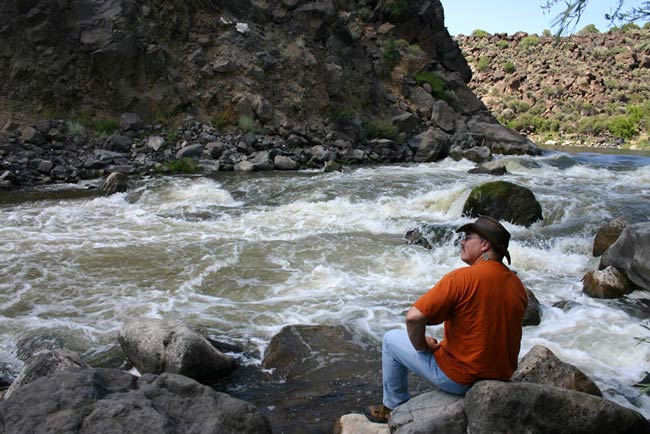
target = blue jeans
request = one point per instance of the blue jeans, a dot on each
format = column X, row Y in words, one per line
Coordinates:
column 398, row 357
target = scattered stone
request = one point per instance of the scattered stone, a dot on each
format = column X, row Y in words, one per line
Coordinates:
column 532, row 316
column 430, row 412
column 495, row 168
column 359, row 424
column 282, row 162
column 119, row 143
column 131, row 121
column 190, row 151
column 155, row 142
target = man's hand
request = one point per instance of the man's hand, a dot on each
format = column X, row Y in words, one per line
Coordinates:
column 432, row 344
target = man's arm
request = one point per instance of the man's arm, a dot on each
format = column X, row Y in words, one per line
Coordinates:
column 416, row 326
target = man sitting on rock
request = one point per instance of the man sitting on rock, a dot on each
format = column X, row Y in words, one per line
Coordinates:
column 482, row 306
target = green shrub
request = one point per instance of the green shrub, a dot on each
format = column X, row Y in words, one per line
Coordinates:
column 396, row 9
column 246, row 124
column 103, row 125
column 75, row 128
column 546, row 33
column 646, row 26
column 529, row 41
column 623, row 127
column 503, row 44
column 225, row 117
column 480, row 33
column 518, row 106
column 378, row 129
column 438, row 85
column 183, row 165
column 390, row 55
column 509, row 67
column 593, row 125
column 483, row 63
column 629, row 27
column 589, row 29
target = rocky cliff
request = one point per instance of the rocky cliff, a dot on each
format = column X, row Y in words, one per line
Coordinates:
column 336, row 74
column 588, row 89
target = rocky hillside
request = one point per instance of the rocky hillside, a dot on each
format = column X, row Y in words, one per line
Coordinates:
column 588, row 89
column 365, row 81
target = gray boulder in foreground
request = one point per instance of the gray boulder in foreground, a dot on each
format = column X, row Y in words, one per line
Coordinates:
column 631, row 254
column 110, row 401
column 494, row 407
column 157, row 346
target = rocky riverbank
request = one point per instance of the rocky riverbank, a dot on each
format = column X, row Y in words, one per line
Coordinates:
column 589, row 89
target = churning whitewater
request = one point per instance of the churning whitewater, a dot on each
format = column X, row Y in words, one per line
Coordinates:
column 241, row 256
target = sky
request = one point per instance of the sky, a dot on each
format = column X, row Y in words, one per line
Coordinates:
column 511, row 16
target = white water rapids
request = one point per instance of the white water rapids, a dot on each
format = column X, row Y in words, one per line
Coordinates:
column 241, row 256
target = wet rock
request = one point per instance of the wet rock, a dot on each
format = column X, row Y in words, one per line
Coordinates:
column 495, row 168
column 504, row 201
column 607, row 235
column 477, row 154
column 89, row 400
column 532, row 316
column 502, row 140
column 28, row 346
column 244, row 166
column 332, row 166
column 606, row 283
column 540, row 365
column 44, row 363
column 116, row 182
column 525, row 407
column 428, row 235
column 158, row 346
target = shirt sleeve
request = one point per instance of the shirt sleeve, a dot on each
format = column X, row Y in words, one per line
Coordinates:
column 437, row 304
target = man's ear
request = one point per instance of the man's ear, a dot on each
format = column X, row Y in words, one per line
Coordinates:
column 486, row 246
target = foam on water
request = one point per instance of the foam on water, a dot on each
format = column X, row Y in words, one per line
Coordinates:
column 242, row 257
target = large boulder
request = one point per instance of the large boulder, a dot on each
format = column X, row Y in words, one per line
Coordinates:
column 497, row 407
column 504, row 201
column 502, row 140
column 111, row 401
column 44, row 363
column 540, row 365
column 356, row 423
column 157, row 346
column 631, row 254
column 607, row 235
column 431, row 145
column 116, row 182
column 607, row 283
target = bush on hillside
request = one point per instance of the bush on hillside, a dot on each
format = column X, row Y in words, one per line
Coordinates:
column 623, row 127
column 589, row 29
column 479, row 33
column 529, row 41
column 503, row 44
column 509, row 67
column 397, row 9
column 438, row 86
column 377, row 129
column 483, row 63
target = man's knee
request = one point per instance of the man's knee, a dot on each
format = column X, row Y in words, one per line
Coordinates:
column 391, row 336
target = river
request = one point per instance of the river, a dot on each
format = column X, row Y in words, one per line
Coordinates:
column 241, row 256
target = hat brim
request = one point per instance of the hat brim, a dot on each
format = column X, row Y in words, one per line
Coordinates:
column 471, row 227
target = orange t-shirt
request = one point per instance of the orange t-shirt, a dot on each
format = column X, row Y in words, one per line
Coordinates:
column 482, row 306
